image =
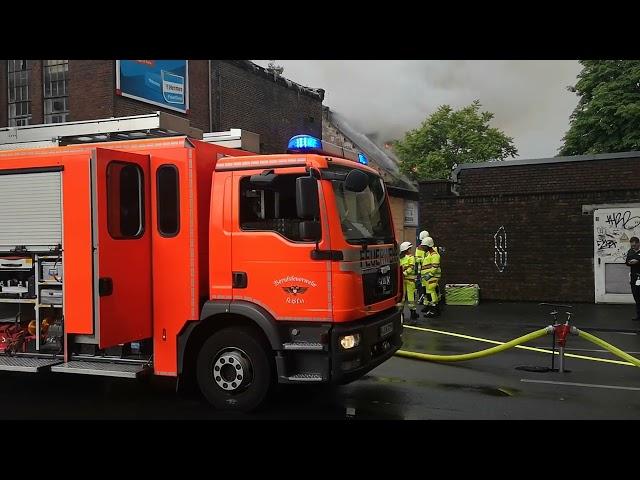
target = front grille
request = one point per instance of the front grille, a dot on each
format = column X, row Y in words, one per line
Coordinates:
column 373, row 291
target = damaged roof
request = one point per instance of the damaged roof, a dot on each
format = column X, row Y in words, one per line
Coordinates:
column 317, row 93
column 385, row 160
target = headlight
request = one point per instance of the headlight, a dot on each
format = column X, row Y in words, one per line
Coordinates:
column 350, row 341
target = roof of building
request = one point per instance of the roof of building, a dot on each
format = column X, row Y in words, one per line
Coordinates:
column 385, row 160
column 317, row 93
column 538, row 161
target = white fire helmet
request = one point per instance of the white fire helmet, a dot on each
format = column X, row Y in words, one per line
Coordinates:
column 428, row 241
column 423, row 234
column 404, row 246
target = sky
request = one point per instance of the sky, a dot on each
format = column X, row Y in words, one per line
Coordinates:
column 528, row 97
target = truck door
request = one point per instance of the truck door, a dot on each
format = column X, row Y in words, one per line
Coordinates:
column 272, row 266
column 121, row 246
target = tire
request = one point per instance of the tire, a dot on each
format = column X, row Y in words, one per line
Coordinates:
column 235, row 369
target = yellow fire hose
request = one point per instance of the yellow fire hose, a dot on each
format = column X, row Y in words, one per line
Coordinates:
column 515, row 342
column 478, row 354
column 615, row 350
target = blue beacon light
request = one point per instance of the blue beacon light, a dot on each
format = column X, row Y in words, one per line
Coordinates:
column 362, row 158
column 304, row 142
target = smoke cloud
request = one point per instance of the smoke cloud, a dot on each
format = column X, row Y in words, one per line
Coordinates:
column 389, row 97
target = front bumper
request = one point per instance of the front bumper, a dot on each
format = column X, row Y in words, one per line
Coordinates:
column 374, row 348
column 316, row 354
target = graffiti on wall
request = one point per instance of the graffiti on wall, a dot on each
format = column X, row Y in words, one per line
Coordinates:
column 613, row 231
column 500, row 249
column 623, row 220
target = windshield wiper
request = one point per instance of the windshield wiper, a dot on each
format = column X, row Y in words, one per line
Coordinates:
column 366, row 242
column 360, row 241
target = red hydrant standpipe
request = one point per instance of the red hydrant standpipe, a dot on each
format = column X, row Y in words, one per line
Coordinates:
column 561, row 337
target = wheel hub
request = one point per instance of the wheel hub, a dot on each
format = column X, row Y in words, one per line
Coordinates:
column 232, row 370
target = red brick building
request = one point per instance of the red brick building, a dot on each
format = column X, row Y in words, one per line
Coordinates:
column 553, row 229
column 223, row 94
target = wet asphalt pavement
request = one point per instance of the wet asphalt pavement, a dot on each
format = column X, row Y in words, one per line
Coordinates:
column 487, row 388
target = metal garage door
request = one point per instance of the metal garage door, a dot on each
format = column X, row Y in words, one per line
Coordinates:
column 30, row 210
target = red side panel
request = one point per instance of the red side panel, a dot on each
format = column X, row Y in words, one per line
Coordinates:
column 77, row 259
column 174, row 279
column 207, row 156
column 220, row 286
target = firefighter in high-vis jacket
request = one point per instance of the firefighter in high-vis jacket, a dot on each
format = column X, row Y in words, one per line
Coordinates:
column 430, row 273
column 421, row 252
column 408, row 265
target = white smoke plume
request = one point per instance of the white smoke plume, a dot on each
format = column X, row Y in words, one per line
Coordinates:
column 389, row 97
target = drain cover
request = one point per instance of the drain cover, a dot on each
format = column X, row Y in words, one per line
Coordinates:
column 533, row 368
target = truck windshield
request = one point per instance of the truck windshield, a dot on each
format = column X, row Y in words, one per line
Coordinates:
column 364, row 216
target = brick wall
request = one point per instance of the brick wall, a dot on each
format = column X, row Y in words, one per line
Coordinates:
column 36, row 93
column 91, row 89
column 3, row 94
column 549, row 240
column 554, row 177
column 256, row 102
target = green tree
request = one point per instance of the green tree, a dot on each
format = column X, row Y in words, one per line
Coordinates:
column 274, row 68
column 607, row 118
column 448, row 137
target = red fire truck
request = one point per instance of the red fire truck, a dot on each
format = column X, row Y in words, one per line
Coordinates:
column 224, row 269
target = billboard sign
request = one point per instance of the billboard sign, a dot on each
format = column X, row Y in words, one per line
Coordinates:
column 159, row 82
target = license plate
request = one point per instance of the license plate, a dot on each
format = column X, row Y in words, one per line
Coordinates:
column 386, row 329
column 384, row 281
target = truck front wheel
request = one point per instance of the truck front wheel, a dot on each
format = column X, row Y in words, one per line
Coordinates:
column 234, row 369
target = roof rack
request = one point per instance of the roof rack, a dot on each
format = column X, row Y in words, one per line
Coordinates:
column 136, row 127
column 152, row 125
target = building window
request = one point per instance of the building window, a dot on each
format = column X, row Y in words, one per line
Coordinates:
column 56, row 75
column 19, row 105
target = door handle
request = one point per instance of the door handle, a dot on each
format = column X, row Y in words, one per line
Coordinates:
column 239, row 280
column 105, row 286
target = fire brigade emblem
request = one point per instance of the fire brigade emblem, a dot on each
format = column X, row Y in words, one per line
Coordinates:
column 291, row 285
column 295, row 290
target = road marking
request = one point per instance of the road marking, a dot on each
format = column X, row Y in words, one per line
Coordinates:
column 533, row 349
column 574, row 384
column 594, row 350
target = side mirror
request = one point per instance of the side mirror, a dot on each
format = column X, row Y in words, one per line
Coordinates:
column 310, row 231
column 307, row 204
column 356, row 181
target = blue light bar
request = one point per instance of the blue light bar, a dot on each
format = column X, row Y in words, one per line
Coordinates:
column 304, row 142
column 362, row 158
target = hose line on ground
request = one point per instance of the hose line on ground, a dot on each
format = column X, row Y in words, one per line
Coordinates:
column 615, row 350
column 481, row 353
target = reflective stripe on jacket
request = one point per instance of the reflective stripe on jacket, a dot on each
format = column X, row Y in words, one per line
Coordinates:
column 408, row 263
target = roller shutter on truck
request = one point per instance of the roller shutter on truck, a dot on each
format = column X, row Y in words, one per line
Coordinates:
column 30, row 210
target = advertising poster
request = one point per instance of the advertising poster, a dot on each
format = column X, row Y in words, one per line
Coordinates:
column 158, row 82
